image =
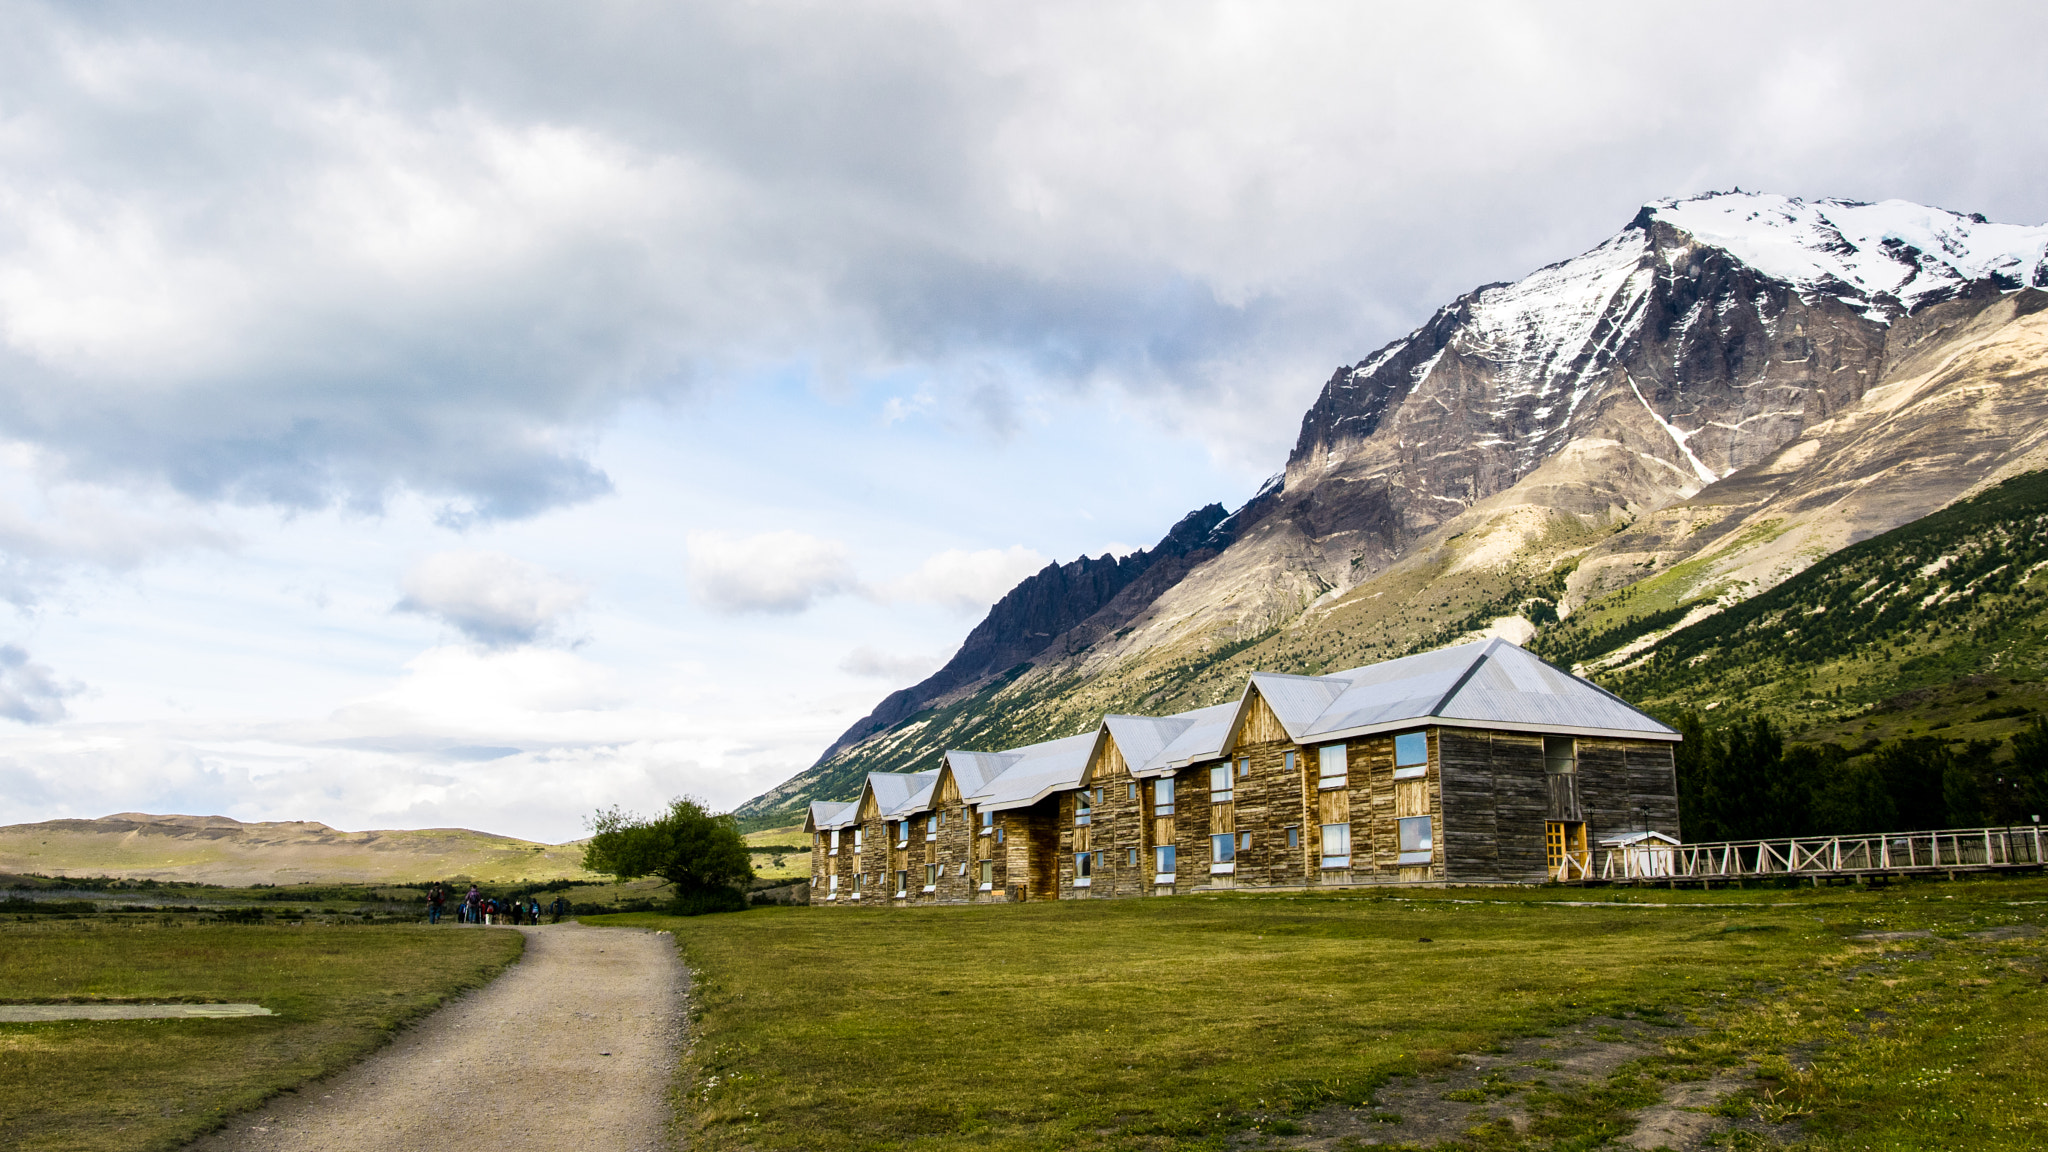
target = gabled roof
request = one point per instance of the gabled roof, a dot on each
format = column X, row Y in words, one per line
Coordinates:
column 1201, row 738
column 829, row 814
column 972, row 771
column 902, row 793
column 1486, row 684
column 1038, row 771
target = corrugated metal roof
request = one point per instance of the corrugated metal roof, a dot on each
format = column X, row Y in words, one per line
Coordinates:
column 902, row 793
column 829, row 814
column 1140, row 739
column 973, row 770
column 1201, row 740
column 1490, row 683
column 1039, row 771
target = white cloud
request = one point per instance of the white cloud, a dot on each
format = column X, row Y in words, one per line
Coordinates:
column 494, row 599
column 897, row 668
column 30, row 692
column 965, row 581
column 777, row 573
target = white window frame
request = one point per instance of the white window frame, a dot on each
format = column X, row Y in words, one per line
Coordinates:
column 1220, row 773
column 1084, row 869
column 834, row 849
column 1341, row 757
column 856, row 841
column 1244, row 767
column 1411, row 770
column 1164, row 859
column 1162, row 807
column 1416, row 849
column 931, row 828
column 931, row 878
column 988, row 823
column 1336, row 835
column 1084, row 809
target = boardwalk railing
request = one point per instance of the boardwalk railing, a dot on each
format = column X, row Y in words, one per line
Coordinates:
column 1947, row 850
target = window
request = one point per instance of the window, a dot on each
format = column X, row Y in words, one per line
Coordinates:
column 1336, row 845
column 931, row 827
column 963, row 868
column 931, row 877
column 999, row 835
column 1560, row 755
column 1244, row 767
column 857, row 878
column 988, row 821
column 1223, row 849
column 1294, row 837
column 1083, row 811
column 834, row 850
column 903, row 883
column 832, row 884
column 1098, row 797
column 1134, row 789
column 988, row 874
column 1084, row 868
column 900, row 829
column 1162, row 856
column 1289, row 758
column 1133, row 861
column 1244, row 841
column 1162, row 800
column 1416, row 839
column 1333, row 766
column 1411, row 755
column 1219, row 784
column 856, row 840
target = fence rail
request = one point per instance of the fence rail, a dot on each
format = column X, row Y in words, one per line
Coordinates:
column 1946, row 850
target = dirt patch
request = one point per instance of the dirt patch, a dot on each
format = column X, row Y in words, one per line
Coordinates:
column 1490, row 1089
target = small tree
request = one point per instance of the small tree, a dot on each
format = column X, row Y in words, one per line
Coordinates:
column 700, row 853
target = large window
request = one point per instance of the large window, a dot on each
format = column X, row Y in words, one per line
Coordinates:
column 988, row 822
column 1336, row 845
column 1418, row 837
column 988, row 875
column 1223, row 849
column 931, row 877
column 1333, row 763
column 1219, row 784
column 1162, row 799
column 1560, row 755
column 857, row 878
column 1162, row 857
column 931, row 827
column 1084, row 809
column 856, row 841
column 1411, row 755
column 900, row 829
column 834, row 850
column 832, row 883
column 903, row 883
column 1084, row 869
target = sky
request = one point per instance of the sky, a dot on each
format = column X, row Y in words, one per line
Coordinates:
column 481, row 414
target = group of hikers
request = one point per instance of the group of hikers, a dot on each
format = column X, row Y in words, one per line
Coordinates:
column 477, row 908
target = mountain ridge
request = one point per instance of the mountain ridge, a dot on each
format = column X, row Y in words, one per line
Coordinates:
column 1536, row 446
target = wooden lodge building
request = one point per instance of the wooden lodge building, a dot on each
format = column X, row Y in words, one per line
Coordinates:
column 1474, row 764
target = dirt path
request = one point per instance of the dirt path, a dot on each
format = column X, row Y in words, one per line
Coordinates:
column 571, row 1050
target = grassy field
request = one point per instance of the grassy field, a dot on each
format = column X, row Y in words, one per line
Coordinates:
column 1240, row 1021
column 338, row 992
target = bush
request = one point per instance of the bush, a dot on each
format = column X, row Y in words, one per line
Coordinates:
column 706, row 901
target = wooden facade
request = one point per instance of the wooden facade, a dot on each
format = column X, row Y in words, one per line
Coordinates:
column 1257, row 807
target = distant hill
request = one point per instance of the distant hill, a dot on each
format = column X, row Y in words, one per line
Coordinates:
column 220, row 850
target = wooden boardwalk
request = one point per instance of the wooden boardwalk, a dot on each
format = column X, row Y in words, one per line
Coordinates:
column 1947, row 851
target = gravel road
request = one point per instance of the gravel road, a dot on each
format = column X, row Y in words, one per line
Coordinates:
column 571, row 1050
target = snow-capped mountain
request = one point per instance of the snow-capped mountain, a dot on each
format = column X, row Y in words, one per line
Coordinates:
column 1731, row 367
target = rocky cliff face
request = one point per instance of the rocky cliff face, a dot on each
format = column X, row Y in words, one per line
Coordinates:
column 1537, row 447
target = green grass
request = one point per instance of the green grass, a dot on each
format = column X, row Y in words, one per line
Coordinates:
column 1203, row 1022
column 338, row 992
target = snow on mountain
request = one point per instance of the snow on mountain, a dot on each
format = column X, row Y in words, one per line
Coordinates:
column 1890, row 256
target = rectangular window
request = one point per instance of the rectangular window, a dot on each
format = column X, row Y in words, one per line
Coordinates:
column 999, row 835
column 834, row 851
column 1560, row 755
column 856, row 840
column 931, row 827
column 1219, row 784
column 1084, row 868
column 857, row 878
column 988, row 873
column 1291, row 761
column 1417, row 840
column 1133, row 861
column 1294, row 837
column 1134, row 789
column 988, row 821
column 1083, row 810
column 1244, row 841
column 1244, row 767
column 832, row 883
column 1162, row 856
column 1336, row 845
column 901, row 832
column 1098, row 797
column 1162, row 797
column 1411, row 755
column 931, row 877
column 1333, row 764
column 903, row 883
column 1223, row 848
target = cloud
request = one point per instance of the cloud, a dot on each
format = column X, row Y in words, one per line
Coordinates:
column 894, row 667
column 777, row 573
column 495, row 600
column 342, row 251
column 30, row 692
column 964, row 581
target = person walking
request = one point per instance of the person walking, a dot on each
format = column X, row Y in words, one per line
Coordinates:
column 472, row 906
column 435, row 898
